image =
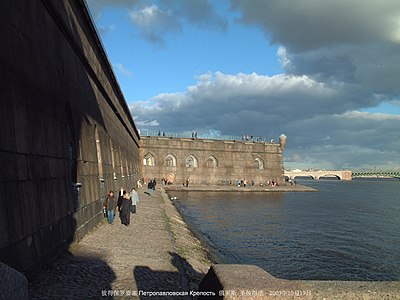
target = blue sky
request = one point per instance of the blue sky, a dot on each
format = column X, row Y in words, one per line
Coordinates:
column 384, row 107
column 192, row 52
column 326, row 74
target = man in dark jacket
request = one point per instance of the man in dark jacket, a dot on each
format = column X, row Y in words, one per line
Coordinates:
column 150, row 187
column 109, row 205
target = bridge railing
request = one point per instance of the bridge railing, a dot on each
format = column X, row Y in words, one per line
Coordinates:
column 376, row 173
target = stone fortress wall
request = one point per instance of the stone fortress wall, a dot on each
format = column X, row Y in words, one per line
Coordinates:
column 207, row 161
column 67, row 135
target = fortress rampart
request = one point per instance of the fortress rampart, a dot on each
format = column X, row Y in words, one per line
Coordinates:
column 67, row 135
column 208, row 161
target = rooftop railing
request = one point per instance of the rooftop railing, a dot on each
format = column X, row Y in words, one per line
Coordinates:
column 197, row 135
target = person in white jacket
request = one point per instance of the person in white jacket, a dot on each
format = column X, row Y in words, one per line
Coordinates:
column 135, row 200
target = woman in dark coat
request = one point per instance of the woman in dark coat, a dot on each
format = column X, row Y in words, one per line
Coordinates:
column 120, row 199
column 126, row 209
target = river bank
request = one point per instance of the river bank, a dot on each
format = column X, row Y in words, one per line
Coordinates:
column 193, row 250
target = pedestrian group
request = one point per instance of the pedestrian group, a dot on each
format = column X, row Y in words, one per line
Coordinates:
column 125, row 205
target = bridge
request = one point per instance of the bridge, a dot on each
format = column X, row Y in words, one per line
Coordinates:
column 376, row 174
column 341, row 175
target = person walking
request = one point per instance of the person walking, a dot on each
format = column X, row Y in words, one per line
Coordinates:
column 120, row 196
column 150, row 187
column 135, row 199
column 126, row 209
column 109, row 205
column 120, row 200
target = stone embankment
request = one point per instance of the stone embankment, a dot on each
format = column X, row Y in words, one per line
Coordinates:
column 156, row 253
column 249, row 282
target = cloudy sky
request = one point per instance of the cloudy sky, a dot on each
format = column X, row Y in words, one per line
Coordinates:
column 325, row 73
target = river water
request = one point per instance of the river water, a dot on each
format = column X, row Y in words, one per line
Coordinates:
column 345, row 231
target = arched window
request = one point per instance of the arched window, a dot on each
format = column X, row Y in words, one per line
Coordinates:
column 170, row 161
column 258, row 164
column 212, row 162
column 149, row 160
column 191, row 162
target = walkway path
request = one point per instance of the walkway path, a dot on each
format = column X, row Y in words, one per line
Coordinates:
column 156, row 252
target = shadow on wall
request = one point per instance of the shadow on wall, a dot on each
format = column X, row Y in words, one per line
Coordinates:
column 44, row 214
column 185, row 279
column 49, row 109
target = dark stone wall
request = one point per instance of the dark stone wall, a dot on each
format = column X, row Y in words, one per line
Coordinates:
column 233, row 160
column 63, row 120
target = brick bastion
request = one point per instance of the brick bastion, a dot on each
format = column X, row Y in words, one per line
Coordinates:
column 209, row 161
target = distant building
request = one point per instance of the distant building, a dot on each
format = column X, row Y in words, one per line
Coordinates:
column 207, row 161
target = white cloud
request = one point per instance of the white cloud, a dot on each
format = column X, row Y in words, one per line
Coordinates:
column 97, row 6
column 122, row 70
column 308, row 24
column 157, row 19
column 154, row 23
column 199, row 12
column 334, row 41
column 323, row 125
column 337, row 156
column 106, row 29
column 327, row 138
column 153, row 123
column 371, row 116
column 283, row 57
